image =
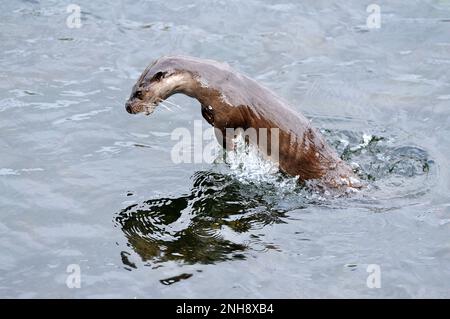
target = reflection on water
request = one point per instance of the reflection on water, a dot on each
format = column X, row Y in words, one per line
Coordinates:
column 191, row 228
column 172, row 280
column 377, row 157
column 206, row 225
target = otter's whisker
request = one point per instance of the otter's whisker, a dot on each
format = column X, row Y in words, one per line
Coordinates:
column 165, row 106
column 166, row 101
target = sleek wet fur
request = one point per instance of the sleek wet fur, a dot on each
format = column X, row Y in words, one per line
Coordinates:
column 232, row 100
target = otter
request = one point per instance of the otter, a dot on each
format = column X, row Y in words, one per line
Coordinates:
column 233, row 100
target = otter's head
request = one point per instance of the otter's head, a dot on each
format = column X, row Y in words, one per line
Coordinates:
column 159, row 81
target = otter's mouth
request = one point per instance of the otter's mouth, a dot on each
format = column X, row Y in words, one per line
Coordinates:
column 145, row 108
column 149, row 108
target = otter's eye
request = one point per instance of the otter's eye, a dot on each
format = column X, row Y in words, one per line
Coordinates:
column 158, row 76
column 139, row 94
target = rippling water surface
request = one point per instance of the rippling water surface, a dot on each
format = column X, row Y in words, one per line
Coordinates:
column 83, row 182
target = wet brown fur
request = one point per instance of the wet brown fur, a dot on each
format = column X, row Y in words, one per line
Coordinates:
column 232, row 100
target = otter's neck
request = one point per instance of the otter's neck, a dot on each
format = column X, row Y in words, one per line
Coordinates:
column 188, row 83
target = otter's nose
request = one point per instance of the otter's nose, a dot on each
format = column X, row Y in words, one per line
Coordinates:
column 128, row 108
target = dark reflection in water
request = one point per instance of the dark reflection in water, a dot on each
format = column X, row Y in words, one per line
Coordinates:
column 220, row 217
column 172, row 280
column 378, row 158
column 190, row 228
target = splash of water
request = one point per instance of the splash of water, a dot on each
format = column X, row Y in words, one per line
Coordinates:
column 248, row 165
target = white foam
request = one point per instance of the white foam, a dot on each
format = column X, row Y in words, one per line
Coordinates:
column 248, row 165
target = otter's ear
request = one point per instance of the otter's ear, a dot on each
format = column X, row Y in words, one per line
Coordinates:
column 158, row 76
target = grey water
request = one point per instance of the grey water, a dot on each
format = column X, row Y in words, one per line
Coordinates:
column 85, row 184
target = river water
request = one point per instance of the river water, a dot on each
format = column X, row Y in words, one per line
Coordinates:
column 86, row 188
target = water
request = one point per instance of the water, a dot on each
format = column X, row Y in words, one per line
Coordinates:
column 83, row 182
